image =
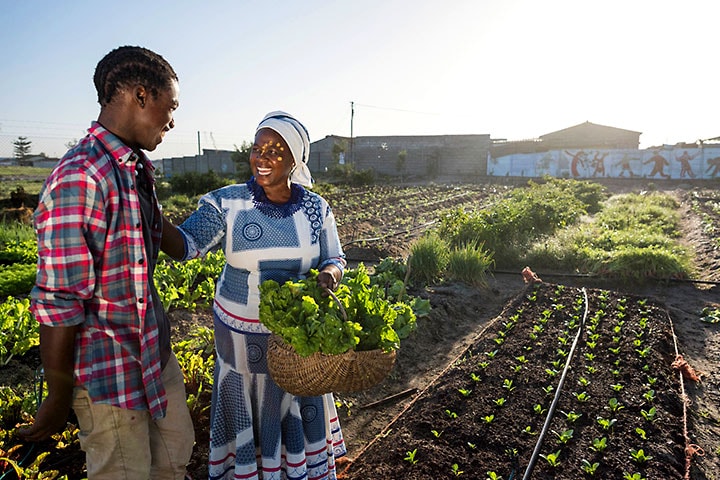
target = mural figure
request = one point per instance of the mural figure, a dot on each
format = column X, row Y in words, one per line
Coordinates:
column 578, row 160
column 543, row 165
column 685, row 168
column 492, row 163
column 624, row 164
column 598, row 162
column 660, row 164
column 611, row 163
column 714, row 165
column 562, row 166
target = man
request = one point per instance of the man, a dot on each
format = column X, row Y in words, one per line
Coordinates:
column 104, row 336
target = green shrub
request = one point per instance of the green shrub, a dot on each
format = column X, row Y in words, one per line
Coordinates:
column 15, row 251
column 324, row 189
column 511, row 225
column 163, row 189
column 428, row 259
column 193, row 183
column 589, row 193
column 451, row 222
column 639, row 263
column 349, row 175
column 17, row 279
column 469, row 264
column 20, row 330
column 632, row 238
column 655, row 212
column 14, row 400
column 16, row 232
column 178, row 207
column 558, row 252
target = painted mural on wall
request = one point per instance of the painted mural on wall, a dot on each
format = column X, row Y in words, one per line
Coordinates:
column 668, row 162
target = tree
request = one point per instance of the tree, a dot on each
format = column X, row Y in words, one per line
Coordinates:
column 400, row 163
column 22, row 147
column 432, row 167
column 241, row 157
column 339, row 148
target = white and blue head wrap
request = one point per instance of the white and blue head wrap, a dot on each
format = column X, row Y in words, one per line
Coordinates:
column 297, row 138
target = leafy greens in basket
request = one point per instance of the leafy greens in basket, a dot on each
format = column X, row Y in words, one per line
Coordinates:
column 312, row 323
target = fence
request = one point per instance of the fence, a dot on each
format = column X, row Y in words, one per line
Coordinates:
column 53, row 140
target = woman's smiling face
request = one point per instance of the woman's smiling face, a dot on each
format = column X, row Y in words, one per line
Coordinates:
column 270, row 159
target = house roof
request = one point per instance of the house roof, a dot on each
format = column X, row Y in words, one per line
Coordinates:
column 587, row 126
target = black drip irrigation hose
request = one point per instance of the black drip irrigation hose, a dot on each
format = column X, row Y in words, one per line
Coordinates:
column 600, row 277
column 391, row 234
column 551, row 410
column 420, row 393
column 17, row 469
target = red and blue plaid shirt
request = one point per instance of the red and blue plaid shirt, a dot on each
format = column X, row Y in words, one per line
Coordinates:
column 92, row 272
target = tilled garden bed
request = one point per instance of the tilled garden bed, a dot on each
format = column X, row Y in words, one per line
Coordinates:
column 619, row 414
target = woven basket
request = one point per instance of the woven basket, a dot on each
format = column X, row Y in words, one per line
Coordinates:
column 319, row 373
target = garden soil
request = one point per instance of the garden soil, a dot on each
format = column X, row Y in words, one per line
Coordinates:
column 461, row 314
column 459, row 317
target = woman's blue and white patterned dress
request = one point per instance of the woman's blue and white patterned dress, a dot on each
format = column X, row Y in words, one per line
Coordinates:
column 259, row 431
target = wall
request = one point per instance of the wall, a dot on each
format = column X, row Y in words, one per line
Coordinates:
column 446, row 155
column 321, row 157
column 218, row 161
column 667, row 162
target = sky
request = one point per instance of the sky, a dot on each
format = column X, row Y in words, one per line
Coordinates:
column 513, row 69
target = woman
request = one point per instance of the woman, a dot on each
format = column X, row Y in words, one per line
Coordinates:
column 269, row 228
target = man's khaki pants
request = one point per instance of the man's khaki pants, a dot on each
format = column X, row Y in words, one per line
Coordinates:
column 125, row 444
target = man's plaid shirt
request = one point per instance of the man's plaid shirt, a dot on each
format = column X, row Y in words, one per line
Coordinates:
column 92, row 271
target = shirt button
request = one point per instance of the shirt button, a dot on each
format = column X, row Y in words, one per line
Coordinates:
column 137, row 225
column 141, row 261
column 141, row 300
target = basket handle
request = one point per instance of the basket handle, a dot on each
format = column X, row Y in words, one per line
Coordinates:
column 337, row 300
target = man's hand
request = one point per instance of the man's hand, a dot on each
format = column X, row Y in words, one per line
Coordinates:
column 172, row 242
column 51, row 418
column 57, row 351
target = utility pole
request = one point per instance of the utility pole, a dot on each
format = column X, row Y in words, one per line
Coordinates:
column 199, row 151
column 352, row 150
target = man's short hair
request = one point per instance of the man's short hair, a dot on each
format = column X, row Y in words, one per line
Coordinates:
column 128, row 67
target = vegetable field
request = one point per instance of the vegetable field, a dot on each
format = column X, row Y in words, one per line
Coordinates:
column 475, row 383
column 576, row 382
column 375, row 222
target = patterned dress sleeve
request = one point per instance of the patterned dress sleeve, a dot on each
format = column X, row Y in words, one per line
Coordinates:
column 205, row 228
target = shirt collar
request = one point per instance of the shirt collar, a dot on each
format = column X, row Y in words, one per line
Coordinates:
column 123, row 154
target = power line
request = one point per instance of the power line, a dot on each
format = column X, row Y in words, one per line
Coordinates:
column 396, row 109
